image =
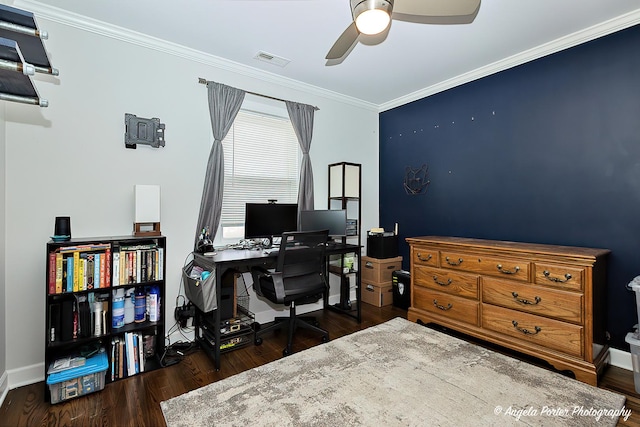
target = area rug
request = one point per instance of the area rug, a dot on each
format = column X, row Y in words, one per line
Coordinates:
column 397, row 373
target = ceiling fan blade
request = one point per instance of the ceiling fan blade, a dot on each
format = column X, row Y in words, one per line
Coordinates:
column 436, row 11
column 345, row 43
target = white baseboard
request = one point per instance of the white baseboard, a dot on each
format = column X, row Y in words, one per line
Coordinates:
column 621, row 359
column 26, row 375
column 4, row 386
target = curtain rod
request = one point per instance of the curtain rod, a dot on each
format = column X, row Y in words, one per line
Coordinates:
column 204, row 82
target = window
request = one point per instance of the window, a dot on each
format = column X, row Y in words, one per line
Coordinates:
column 261, row 162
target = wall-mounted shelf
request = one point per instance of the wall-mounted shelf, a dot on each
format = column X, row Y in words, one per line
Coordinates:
column 22, row 54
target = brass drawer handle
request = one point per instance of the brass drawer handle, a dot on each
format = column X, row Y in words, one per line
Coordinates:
column 442, row 307
column 526, row 301
column 524, row 330
column 514, row 271
column 454, row 263
column 435, row 279
column 567, row 277
column 419, row 255
column 368, row 264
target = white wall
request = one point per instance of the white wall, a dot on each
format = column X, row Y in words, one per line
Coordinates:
column 4, row 384
column 70, row 158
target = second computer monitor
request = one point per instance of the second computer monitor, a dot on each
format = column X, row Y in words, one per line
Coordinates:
column 266, row 220
column 334, row 220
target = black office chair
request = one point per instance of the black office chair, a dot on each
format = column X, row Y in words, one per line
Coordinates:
column 299, row 278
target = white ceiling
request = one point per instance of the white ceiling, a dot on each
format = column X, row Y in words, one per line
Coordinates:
column 415, row 59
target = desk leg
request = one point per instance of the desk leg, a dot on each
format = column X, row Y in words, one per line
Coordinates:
column 216, row 360
column 358, row 288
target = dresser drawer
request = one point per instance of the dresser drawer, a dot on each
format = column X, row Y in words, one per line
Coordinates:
column 561, row 276
column 513, row 268
column 561, row 305
column 450, row 306
column 451, row 282
column 545, row 332
column 425, row 256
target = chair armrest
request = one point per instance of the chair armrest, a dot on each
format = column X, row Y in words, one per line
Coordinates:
column 258, row 272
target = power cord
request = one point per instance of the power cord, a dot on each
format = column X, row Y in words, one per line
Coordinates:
column 176, row 352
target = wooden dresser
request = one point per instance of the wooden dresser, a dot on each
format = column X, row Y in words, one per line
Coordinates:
column 542, row 300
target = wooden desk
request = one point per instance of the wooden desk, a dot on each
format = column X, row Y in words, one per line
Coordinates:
column 242, row 260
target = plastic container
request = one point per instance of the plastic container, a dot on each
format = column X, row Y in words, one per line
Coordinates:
column 79, row 381
column 118, row 309
column 635, row 286
column 129, row 304
column 140, row 306
column 634, row 343
column 154, row 304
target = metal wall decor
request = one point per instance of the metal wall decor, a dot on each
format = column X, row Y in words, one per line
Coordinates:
column 416, row 181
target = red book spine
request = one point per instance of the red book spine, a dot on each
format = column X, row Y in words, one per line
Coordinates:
column 52, row 272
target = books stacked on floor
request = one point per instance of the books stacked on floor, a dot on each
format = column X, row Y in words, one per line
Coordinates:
column 129, row 353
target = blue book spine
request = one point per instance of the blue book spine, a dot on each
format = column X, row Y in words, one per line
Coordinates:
column 135, row 353
column 69, row 274
column 96, row 271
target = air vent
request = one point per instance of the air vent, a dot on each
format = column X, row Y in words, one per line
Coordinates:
column 272, row 59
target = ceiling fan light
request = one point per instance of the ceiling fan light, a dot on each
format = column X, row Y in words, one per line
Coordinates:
column 372, row 16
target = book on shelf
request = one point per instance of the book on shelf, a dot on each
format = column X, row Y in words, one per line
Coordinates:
column 52, row 272
column 58, row 273
column 79, row 268
column 89, row 270
column 144, row 264
column 70, row 274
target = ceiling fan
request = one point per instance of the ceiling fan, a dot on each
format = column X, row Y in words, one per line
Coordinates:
column 372, row 19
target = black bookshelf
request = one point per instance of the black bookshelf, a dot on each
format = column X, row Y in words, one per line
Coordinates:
column 74, row 323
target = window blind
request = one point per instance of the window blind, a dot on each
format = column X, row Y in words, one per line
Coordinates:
column 261, row 162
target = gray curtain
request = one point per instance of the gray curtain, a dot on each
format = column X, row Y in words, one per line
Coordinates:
column 224, row 104
column 301, row 116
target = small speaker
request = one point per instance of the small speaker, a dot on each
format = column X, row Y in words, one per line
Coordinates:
column 62, row 228
column 147, row 210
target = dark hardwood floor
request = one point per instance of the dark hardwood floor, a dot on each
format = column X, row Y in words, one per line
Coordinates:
column 136, row 401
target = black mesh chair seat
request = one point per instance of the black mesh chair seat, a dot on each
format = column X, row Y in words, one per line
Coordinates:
column 299, row 278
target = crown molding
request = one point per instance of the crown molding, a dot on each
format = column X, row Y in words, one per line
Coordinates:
column 107, row 30
column 571, row 40
column 91, row 25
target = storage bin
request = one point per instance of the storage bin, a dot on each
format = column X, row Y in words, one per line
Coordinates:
column 377, row 295
column 382, row 246
column 79, row 381
column 201, row 292
column 379, row 271
column 634, row 343
column 635, row 286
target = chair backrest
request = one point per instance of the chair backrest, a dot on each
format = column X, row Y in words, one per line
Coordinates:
column 302, row 253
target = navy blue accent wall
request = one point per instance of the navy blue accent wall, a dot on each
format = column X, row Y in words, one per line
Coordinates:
column 546, row 152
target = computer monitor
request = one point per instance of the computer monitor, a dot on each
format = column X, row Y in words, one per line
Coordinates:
column 268, row 220
column 334, row 220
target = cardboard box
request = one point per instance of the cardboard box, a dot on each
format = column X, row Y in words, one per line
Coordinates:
column 79, row 381
column 377, row 295
column 379, row 271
